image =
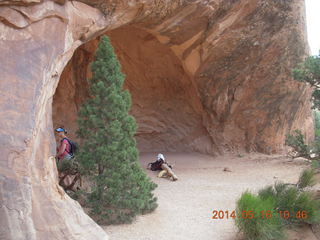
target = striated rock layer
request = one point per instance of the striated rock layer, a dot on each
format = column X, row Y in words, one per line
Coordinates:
column 207, row 76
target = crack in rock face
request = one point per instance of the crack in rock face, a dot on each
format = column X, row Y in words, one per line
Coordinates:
column 205, row 76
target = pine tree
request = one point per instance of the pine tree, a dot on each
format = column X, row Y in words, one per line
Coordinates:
column 309, row 71
column 108, row 151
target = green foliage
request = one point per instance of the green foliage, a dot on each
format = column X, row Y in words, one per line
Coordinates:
column 77, row 195
column 301, row 207
column 315, row 150
column 316, row 98
column 260, row 227
column 315, row 164
column 317, row 124
column 312, row 151
column 307, row 178
column 309, row 71
column 317, row 134
column 121, row 189
column 68, row 165
column 296, row 141
column 267, row 192
column 317, row 119
column 291, row 198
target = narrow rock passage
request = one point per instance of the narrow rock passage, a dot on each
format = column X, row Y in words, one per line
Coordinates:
column 185, row 207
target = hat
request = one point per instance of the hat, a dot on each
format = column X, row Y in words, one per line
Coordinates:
column 60, row 129
column 160, row 156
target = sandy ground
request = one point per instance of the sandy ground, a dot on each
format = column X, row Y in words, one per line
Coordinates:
column 185, row 207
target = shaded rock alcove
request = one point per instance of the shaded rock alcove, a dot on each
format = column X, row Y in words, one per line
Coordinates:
column 166, row 104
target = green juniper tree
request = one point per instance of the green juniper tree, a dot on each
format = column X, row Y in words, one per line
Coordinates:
column 309, row 71
column 108, row 153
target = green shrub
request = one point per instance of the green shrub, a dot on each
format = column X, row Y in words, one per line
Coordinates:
column 288, row 197
column 309, row 72
column 287, row 201
column 315, row 150
column 307, row 178
column 70, row 166
column 259, row 227
column 297, row 202
column 267, row 192
column 315, row 147
column 311, row 206
column 317, row 133
column 315, row 164
column 296, row 141
column 317, row 119
column 78, row 195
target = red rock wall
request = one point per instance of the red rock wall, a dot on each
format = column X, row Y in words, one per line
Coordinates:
column 166, row 105
column 237, row 54
column 225, row 75
column 36, row 43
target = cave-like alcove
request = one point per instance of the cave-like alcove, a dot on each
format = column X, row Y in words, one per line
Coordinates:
column 165, row 101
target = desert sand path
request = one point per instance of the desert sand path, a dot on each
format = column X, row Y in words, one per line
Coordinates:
column 185, row 207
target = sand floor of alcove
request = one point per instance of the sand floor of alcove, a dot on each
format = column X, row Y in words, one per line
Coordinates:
column 186, row 206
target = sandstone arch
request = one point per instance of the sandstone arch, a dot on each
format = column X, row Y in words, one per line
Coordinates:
column 165, row 103
column 238, row 55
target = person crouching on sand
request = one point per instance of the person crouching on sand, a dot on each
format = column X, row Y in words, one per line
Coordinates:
column 163, row 166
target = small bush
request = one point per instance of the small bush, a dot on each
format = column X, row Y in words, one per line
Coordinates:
column 315, row 164
column 307, row 178
column 69, row 166
column 317, row 122
column 317, row 133
column 296, row 202
column 267, row 192
column 315, row 150
column 290, row 198
column 259, row 227
column 78, row 195
column 296, row 141
column 311, row 206
column 309, row 71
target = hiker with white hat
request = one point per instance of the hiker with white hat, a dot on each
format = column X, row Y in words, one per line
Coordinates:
column 163, row 166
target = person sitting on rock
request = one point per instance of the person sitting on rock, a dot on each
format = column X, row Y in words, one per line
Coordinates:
column 64, row 149
column 163, row 166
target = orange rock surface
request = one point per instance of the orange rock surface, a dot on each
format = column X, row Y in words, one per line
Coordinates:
column 208, row 76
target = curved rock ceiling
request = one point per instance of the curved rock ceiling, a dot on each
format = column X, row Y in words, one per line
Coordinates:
column 166, row 104
column 229, row 65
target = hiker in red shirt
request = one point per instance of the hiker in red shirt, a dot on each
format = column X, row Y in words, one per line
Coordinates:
column 64, row 149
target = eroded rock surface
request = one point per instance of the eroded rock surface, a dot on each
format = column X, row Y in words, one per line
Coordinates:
column 165, row 103
column 232, row 59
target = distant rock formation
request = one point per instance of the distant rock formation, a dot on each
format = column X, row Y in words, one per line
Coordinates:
column 205, row 75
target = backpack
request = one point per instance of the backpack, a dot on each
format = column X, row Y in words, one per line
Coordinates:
column 155, row 166
column 73, row 146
